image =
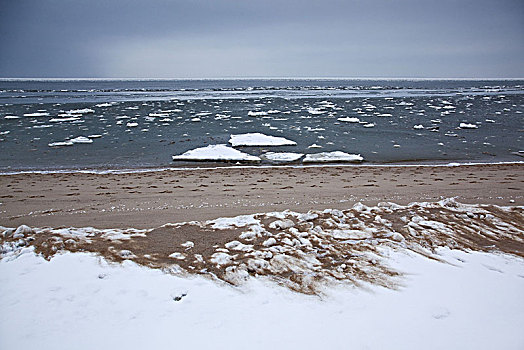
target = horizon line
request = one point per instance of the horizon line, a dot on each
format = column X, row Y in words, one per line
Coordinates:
column 247, row 78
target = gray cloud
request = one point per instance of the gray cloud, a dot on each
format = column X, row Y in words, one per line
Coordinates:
column 229, row 38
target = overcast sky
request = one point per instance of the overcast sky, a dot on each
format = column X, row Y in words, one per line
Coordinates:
column 261, row 38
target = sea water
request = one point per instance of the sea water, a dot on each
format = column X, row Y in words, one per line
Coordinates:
column 78, row 124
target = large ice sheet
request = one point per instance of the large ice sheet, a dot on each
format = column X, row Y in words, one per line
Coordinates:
column 216, row 153
column 258, row 139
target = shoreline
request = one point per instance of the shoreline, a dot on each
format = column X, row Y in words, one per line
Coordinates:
column 247, row 165
column 150, row 199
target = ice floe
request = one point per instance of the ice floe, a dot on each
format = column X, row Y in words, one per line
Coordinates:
column 283, row 157
column 81, row 139
column 468, row 126
column 81, row 111
column 349, row 120
column 333, row 157
column 216, row 153
column 37, row 114
column 257, row 113
column 71, row 142
column 258, row 139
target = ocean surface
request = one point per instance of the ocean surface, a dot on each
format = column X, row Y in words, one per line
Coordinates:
column 115, row 124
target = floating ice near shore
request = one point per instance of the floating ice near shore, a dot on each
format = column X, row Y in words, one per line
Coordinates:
column 60, row 120
column 283, row 157
column 37, row 114
column 316, row 111
column 81, row 139
column 349, row 120
column 258, row 139
column 11, row 117
column 81, row 111
column 216, row 153
column 60, row 144
column 333, row 157
column 257, row 113
column 70, row 142
column 104, row 105
column 468, row 126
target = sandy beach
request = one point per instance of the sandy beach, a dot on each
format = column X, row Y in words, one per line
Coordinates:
column 151, row 199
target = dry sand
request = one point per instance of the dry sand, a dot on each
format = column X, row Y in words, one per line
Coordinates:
column 147, row 200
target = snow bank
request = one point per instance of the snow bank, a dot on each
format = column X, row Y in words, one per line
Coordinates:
column 258, row 139
column 329, row 157
column 216, row 153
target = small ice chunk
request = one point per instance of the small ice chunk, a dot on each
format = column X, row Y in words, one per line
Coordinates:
column 369, row 125
column 126, row 254
column 221, row 258
column 177, row 255
column 349, row 120
column 36, row 114
column 81, row 111
column 60, row 144
column 132, row 125
column 418, row 127
column 282, row 224
column 188, row 245
column 81, row 139
column 269, row 242
column 257, row 113
column 468, row 126
column 22, row 230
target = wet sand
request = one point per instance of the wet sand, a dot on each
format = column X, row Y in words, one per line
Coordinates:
column 146, row 200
